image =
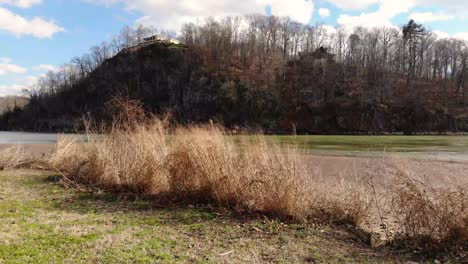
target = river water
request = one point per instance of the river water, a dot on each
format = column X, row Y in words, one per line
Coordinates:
column 28, row 138
column 431, row 147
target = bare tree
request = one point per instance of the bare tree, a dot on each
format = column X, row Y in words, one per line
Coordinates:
column 127, row 36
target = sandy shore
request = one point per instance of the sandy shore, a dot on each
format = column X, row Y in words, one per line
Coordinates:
column 435, row 172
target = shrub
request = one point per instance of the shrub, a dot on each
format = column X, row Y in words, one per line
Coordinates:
column 13, row 158
column 432, row 218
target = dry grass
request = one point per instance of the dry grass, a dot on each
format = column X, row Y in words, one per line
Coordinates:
column 13, row 158
column 206, row 164
column 124, row 161
column 203, row 164
column 432, row 218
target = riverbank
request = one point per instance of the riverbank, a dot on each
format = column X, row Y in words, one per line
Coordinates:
column 348, row 168
column 386, row 199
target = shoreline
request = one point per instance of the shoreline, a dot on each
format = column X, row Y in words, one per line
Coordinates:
column 349, row 168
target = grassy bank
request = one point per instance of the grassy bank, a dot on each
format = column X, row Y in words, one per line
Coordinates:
column 445, row 147
column 41, row 222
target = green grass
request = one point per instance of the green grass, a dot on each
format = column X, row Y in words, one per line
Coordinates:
column 41, row 222
column 417, row 146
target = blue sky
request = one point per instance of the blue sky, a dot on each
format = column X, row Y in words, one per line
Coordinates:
column 39, row 35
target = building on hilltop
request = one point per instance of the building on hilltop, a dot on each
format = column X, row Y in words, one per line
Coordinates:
column 150, row 40
column 157, row 39
column 321, row 54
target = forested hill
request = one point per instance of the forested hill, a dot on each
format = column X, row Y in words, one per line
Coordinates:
column 165, row 77
column 271, row 74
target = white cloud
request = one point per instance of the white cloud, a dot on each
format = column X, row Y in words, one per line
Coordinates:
column 20, row 3
column 324, row 12
column 5, row 60
column 44, row 67
column 17, row 75
column 14, row 89
column 444, row 35
column 299, row 10
column 22, row 83
column 391, row 8
column 7, row 67
column 461, row 35
column 387, row 10
column 29, row 80
column 368, row 20
column 430, row 17
column 170, row 14
column 329, row 30
column 19, row 26
column 353, row 4
column 441, row 34
column 454, row 7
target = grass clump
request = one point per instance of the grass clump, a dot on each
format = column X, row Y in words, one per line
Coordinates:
column 13, row 158
column 124, row 161
column 432, row 219
column 206, row 164
column 200, row 164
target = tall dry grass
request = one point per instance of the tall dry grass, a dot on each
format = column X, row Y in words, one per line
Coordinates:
column 257, row 176
column 122, row 161
column 203, row 164
column 206, row 164
column 13, row 158
column 432, row 218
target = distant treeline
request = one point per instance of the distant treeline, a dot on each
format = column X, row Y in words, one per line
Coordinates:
column 268, row 73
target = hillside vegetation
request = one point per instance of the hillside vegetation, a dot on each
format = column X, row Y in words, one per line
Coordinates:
column 268, row 73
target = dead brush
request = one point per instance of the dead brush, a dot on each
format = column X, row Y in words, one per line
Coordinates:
column 120, row 161
column 432, row 218
column 348, row 207
column 126, row 115
column 13, row 158
column 70, row 158
column 203, row 164
column 207, row 163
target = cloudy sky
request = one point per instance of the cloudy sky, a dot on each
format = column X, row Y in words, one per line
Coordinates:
column 39, row 35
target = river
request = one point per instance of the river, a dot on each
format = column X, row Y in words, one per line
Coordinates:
column 451, row 148
column 28, row 138
column 432, row 147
